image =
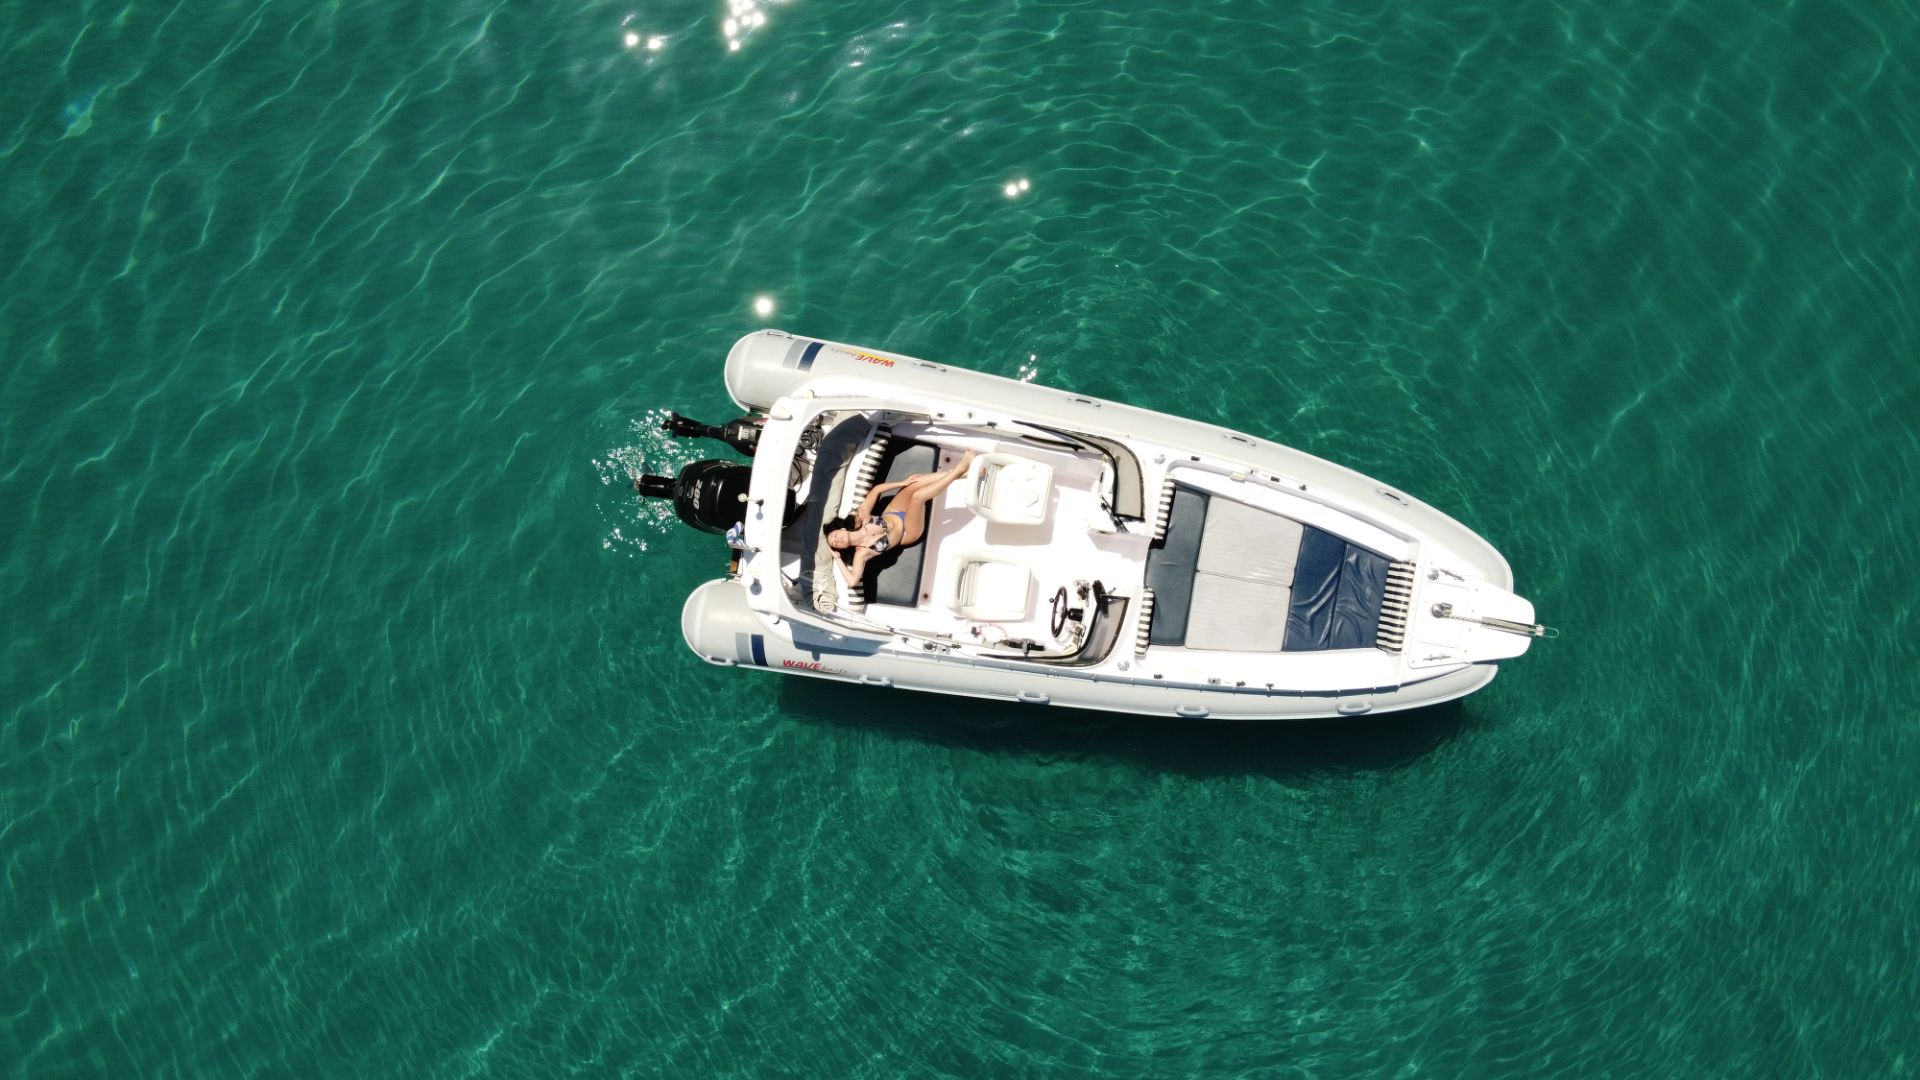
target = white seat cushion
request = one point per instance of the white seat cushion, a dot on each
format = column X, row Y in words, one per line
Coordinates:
column 991, row 589
column 1010, row 489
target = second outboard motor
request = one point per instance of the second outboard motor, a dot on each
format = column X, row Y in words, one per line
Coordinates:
column 708, row 495
column 742, row 434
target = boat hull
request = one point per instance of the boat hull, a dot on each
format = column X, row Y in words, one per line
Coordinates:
column 1221, row 576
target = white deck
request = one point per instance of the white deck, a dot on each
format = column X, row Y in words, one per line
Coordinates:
column 1074, row 543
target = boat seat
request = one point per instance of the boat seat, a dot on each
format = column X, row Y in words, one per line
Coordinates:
column 1009, row 489
column 987, row 586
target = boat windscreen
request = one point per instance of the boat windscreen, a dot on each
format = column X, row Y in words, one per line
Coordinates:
column 1129, row 491
column 1104, row 623
column 1103, row 630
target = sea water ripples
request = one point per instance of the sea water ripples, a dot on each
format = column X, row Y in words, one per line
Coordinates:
column 348, row 728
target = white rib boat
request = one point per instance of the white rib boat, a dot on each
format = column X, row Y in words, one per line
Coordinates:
column 1095, row 555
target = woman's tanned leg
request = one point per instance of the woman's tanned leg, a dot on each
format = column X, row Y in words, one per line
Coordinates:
column 913, row 500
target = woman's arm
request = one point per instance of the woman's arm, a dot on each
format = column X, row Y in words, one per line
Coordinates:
column 852, row 575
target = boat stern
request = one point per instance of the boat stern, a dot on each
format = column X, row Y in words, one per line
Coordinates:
column 719, row 626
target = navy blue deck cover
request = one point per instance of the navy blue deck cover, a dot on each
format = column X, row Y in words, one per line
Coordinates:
column 1337, row 591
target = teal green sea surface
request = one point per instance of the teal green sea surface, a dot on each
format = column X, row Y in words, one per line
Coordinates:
column 345, row 724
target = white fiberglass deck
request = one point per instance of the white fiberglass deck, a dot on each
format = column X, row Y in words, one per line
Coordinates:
column 1074, row 541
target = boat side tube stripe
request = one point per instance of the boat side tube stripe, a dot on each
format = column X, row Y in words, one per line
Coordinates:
column 750, row 648
column 801, row 354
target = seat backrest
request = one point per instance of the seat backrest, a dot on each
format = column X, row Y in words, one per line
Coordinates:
column 988, row 587
column 1009, row 488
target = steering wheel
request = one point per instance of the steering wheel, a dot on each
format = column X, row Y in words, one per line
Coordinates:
column 1059, row 611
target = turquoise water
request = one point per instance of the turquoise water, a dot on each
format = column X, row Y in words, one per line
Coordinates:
column 347, row 727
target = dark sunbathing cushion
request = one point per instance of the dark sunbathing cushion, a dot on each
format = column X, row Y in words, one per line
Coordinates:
column 893, row 577
column 1171, row 563
column 1337, row 590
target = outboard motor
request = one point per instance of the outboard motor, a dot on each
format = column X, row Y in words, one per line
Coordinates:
column 709, row 495
column 742, row 434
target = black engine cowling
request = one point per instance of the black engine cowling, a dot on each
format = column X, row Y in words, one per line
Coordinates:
column 708, row 495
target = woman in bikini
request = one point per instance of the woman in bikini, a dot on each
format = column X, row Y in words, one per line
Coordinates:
column 903, row 524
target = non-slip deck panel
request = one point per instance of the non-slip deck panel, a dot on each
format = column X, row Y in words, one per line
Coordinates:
column 1232, row 614
column 1337, row 590
column 1241, row 588
column 1171, row 564
column 893, row 577
column 1250, row 544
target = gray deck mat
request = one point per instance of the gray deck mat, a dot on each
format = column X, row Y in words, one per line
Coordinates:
column 1255, row 545
column 893, row 577
column 1245, row 569
column 1236, row 615
column 1171, row 563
